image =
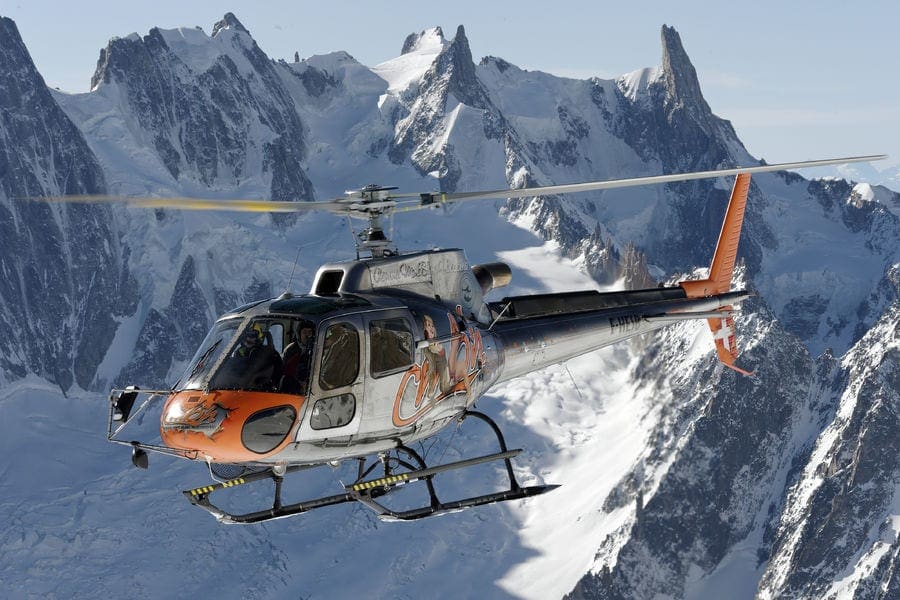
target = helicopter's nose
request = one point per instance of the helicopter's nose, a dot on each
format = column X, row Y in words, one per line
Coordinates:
column 229, row 425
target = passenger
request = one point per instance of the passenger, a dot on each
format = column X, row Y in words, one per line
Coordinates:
column 296, row 359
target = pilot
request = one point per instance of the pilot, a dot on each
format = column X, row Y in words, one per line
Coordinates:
column 255, row 365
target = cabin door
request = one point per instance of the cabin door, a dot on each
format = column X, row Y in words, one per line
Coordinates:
column 334, row 404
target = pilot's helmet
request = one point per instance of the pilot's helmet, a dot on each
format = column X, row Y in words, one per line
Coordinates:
column 256, row 332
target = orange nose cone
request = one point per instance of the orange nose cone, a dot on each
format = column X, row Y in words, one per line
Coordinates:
column 230, row 426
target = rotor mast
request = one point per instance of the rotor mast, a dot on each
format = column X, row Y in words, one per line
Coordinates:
column 376, row 202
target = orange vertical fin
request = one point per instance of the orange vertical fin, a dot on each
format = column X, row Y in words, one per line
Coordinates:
column 721, row 270
column 719, row 280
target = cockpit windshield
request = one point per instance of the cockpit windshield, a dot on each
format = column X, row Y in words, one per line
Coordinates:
column 271, row 354
column 217, row 340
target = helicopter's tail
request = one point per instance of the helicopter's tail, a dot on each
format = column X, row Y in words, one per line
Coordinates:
column 720, row 272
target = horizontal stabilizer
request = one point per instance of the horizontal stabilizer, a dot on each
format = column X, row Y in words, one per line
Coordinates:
column 726, row 341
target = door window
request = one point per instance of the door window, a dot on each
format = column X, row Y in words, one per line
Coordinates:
column 340, row 357
column 332, row 412
column 391, row 346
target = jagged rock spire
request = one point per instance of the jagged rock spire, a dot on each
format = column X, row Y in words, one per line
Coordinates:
column 682, row 84
column 451, row 73
column 463, row 83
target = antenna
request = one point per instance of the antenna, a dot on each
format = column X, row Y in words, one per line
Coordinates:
column 353, row 235
column 497, row 318
column 294, row 268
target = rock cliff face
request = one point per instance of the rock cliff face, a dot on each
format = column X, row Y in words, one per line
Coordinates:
column 796, row 469
column 786, row 482
column 840, row 516
column 65, row 272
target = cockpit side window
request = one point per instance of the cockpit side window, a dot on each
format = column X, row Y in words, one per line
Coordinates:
column 340, row 357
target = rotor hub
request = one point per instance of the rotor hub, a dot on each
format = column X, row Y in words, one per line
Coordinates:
column 374, row 205
column 372, row 193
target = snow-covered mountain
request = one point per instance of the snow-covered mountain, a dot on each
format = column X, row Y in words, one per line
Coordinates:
column 680, row 479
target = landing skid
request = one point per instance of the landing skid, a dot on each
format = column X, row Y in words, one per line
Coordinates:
column 404, row 468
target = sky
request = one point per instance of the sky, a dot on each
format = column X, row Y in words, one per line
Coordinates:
column 798, row 80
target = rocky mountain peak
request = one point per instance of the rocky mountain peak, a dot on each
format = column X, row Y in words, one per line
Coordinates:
column 30, row 117
column 229, row 21
column 456, row 63
column 682, row 84
column 16, row 60
column 179, row 91
column 415, row 41
column 452, row 73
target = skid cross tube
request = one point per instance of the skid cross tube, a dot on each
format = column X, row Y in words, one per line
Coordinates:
column 513, row 484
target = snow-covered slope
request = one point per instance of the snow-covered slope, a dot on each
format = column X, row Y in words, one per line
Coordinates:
column 679, row 479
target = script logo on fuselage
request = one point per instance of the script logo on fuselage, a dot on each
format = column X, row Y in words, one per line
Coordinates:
column 416, row 270
column 441, row 374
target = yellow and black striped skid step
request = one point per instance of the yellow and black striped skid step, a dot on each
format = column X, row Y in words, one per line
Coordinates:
column 208, row 489
column 246, row 478
column 392, row 480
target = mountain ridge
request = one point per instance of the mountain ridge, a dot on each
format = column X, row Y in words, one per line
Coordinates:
column 822, row 256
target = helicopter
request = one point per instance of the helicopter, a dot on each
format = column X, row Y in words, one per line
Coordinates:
column 388, row 350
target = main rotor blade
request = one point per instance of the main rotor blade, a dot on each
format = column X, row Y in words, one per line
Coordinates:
column 237, row 205
column 620, row 183
column 362, row 207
